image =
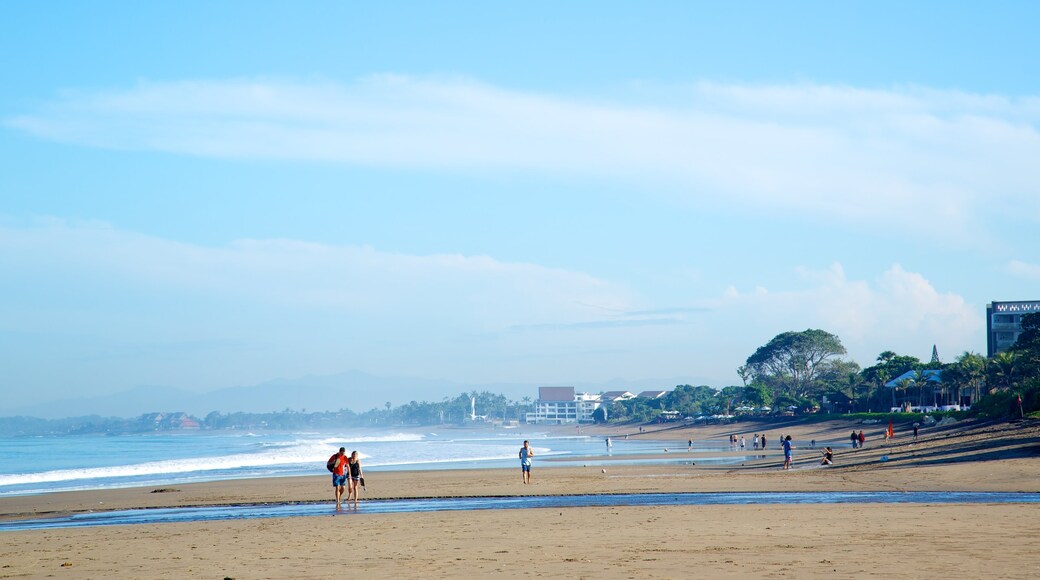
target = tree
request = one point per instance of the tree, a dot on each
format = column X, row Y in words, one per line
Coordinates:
column 922, row 380
column 889, row 365
column 792, row 361
column 1002, row 369
column 1027, row 346
column 744, row 373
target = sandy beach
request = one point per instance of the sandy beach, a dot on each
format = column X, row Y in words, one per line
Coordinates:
column 843, row 540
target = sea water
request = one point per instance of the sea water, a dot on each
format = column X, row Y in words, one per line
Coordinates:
column 31, row 465
column 296, row 509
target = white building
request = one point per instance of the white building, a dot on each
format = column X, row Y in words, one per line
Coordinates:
column 558, row 405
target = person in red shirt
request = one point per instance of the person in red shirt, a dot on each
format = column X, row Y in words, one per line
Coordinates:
column 339, row 475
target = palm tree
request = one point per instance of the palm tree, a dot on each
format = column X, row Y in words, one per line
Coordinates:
column 1003, row 367
column 882, row 379
column 904, row 385
column 923, row 381
column 970, row 370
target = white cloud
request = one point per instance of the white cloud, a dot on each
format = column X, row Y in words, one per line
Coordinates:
column 462, row 293
column 899, row 310
column 930, row 159
column 290, row 307
column 1024, row 269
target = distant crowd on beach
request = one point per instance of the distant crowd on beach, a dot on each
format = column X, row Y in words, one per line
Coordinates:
column 348, row 477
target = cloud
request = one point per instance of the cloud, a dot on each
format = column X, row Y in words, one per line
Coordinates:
column 898, row 310
column 90, row 302
column 1024, row 269
column 446, row 292
column 910, row 158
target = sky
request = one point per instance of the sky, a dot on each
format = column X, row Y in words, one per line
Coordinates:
column 205, row 195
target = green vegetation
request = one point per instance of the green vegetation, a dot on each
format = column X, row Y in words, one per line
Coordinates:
column 803, row 372
column 489, row 406
column 795, row 373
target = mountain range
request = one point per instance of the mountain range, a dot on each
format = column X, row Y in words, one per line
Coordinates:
column 354, row 390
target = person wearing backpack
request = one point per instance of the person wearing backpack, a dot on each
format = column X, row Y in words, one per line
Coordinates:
column 338, row 466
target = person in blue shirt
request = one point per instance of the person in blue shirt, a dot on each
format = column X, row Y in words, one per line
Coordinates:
column 787, row 452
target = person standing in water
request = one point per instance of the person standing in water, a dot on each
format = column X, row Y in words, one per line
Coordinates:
column 526, row 453
column 339, row 476
column 787, row 452
column 354, row 485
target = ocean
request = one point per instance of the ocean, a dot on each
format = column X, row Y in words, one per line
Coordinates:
column 33, row 465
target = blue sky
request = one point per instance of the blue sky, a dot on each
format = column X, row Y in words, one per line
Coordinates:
column 204, row 196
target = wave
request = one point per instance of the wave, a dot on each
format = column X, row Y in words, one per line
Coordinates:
column 315, row 453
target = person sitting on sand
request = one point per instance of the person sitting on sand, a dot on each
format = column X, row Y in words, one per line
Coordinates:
column 828, row 457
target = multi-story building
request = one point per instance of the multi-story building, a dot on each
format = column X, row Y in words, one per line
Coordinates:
column 557, row 405
column 1004, row 323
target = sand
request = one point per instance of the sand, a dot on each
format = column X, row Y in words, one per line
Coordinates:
column 959, row 541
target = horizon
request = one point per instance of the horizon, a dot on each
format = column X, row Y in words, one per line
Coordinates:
column 483, row 195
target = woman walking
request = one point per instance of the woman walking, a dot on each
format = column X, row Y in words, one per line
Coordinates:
column 355, row 478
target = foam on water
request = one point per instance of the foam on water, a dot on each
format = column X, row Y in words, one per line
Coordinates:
column 28, row 464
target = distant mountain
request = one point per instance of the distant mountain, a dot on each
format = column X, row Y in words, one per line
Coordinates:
column 354, row 390
column 138, row 400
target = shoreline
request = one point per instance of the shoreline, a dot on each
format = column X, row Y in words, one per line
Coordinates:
column 719, row 541
column 957, row 458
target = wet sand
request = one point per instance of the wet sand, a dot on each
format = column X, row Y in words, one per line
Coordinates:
column 961, row 541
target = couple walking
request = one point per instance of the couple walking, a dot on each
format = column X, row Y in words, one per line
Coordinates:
column 346, row 474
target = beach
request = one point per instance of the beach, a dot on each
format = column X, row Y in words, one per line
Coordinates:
column 775, row 540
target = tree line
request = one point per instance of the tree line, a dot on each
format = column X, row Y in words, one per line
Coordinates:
column 796, row 372
column 804, row 369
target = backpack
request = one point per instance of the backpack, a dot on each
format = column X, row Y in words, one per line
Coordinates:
column 333, row 461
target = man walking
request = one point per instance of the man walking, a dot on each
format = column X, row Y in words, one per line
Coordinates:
column 339, row 476
column 526, row 453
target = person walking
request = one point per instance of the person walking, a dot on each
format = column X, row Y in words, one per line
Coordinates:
column 741, row 442
column 915, row 431
column 526, row 453
column 339, row 477
column 862, row 439
column 787, row 452
column 855, row 440
column 763, row 440
column 356, row 477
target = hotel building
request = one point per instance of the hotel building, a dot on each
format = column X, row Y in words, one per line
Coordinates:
column 1004, row 323
column 558, row 405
